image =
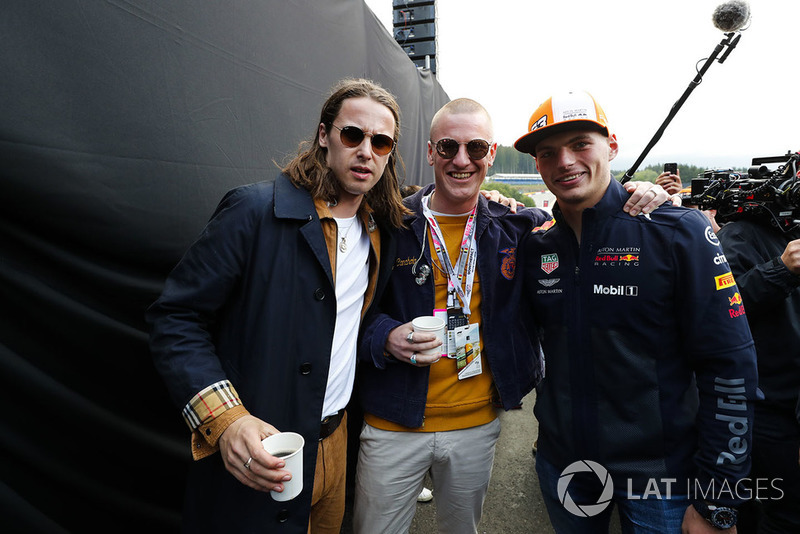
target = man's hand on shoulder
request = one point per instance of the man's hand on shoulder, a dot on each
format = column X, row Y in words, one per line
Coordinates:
column 645, row 197
column 496, row 196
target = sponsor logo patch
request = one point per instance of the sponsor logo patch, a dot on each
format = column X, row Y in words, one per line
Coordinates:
column 549, row 262
column 711, row 237
column 621, row 257
column 619, row 291
column 549, row 291
column 737, row 309
column 720, row 258
column 549, row 282
column 724, row 281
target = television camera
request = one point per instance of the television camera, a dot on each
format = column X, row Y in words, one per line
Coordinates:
column 761, row 194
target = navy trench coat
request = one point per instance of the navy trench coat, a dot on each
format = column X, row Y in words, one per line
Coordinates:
column 253, row 302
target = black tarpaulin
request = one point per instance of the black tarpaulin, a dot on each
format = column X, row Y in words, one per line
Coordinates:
column 122, row 123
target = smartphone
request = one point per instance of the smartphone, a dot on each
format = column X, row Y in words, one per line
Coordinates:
column 671, row 168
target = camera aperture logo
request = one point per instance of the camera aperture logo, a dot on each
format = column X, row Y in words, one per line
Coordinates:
column 585, row 510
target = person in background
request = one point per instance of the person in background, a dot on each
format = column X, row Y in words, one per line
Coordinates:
column 437, row 413
column 651, row 367
column 255, row 331
column 670, row 182
column 766, row 263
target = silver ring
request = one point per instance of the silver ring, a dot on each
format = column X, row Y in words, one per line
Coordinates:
column 414, row 358
column 410, row 337
column 247, row 463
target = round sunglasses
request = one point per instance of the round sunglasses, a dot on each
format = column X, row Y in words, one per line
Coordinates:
column 476, row 149
column 352, row 136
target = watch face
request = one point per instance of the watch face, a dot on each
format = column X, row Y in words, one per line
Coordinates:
column 723, row 517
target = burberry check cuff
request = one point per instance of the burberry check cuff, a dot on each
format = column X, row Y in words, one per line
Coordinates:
column 210, row 403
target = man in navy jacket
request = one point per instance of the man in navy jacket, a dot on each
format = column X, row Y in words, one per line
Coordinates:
column 650, row 363
column 255, row 331
column 424, row 413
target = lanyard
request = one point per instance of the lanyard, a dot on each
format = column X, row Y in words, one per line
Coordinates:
column 465, row 265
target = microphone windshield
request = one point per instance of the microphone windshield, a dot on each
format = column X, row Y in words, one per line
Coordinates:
column 731, row 16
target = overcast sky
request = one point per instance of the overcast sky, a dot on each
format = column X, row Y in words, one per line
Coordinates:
column 637, row 58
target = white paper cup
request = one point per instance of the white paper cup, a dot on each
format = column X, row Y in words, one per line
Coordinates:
column 430, row 325
column 289, row 446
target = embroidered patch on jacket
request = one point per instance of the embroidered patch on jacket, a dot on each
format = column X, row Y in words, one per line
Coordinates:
column 549, row 262
column 545, row 226
column 508, row 265
column 724, row 281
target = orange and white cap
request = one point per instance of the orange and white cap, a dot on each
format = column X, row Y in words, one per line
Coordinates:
column 566, row 111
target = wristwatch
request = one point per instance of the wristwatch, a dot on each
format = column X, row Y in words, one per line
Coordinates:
column 720, row 517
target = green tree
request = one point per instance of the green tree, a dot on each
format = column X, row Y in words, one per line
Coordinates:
column 506, row 190
column 509, row 160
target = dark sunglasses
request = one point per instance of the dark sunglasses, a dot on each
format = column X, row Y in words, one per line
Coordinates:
column 352, row 136
column 448, row 148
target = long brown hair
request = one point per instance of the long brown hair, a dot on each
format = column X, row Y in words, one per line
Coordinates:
column 310, row 170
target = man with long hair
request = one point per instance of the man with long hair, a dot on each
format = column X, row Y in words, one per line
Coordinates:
column 255, row 331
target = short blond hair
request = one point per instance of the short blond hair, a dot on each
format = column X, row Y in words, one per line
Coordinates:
column 465, row 106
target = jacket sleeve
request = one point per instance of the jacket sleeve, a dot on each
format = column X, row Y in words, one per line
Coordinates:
column 722, row 354
column 372, row 345
column 764, row 281
column 183, row 318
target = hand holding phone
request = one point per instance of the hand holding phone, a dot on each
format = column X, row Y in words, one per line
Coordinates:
column 669, row 180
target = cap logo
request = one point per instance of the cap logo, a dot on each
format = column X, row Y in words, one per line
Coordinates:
column 571, row 114
column 540, row 123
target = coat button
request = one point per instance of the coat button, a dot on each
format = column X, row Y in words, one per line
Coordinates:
column 319, row 294
column 305, row 369
column 283, row 515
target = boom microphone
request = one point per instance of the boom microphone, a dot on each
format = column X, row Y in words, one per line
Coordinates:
column 731, row 16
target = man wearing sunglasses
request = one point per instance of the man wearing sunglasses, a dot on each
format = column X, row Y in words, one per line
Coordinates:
column 255, row 331
column 437, row 413
column 651, row 368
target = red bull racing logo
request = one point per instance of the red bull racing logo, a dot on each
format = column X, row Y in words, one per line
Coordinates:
column 617, row 257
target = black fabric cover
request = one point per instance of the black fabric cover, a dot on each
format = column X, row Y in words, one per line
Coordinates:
column 122, row 123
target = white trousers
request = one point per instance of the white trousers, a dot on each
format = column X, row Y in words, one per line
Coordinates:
column 391, row 471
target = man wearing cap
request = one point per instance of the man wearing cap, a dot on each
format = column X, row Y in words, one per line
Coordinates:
column 438, row 413
column 647, row 401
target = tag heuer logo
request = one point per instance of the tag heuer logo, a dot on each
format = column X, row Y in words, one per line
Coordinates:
column 549, row 262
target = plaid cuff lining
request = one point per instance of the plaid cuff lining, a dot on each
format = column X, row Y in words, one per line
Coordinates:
column 210, row 403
